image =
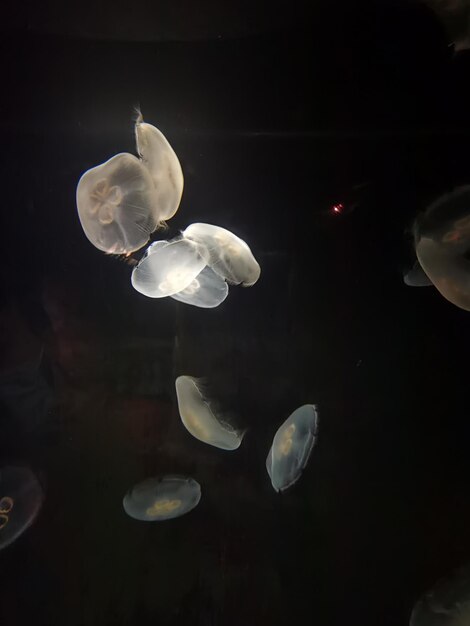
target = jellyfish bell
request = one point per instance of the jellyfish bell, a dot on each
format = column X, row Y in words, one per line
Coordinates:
column 159, row 499
column 207, row 290
column 292, row 446
column 442, row 243
column 116, row 204
column 163, row 166
column 447, row 603
column 21, row 498
column 229, row 256
column 416, row 276
column 168, row 268
column 199, row 418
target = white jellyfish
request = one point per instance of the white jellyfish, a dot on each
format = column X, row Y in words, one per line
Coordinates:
column 163, row 166
column 200, row 420
column 168, row 267
column 447, row 603
column 117, row 205
column 207, row 290
column 21, row 498
column 291, row 447
column 159, row 499
column 229, row 256
column 442, row 241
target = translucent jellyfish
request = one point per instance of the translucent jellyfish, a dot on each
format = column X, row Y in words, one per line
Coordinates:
column 117, row 205
column 163, row 166
column 446, row 604
column 292, row 446
column 21, row 498
column 442, row 242
column 207, row 290
column 199, row 419
column 159, row 499
column 168, row 267
column 416, row 277
column 229, row 256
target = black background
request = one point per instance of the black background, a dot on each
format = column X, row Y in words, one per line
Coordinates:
column 276, row 112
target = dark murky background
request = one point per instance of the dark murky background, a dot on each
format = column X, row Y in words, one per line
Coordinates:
column 274, row 120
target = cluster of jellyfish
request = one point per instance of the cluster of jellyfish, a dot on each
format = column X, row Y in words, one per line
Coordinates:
column 124, row 200
column 167, row 497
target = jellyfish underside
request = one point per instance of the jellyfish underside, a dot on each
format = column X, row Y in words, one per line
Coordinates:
column 116, row 204
column 21, row 498
column 207, row 290
column 159, row 499
column 199, row 419
column 229, row 256
column 291, row 447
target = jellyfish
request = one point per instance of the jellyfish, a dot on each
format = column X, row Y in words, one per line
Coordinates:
column 21, row 498
column 416, row 277
column 159, row 499
column 229, row 256
column 199, row 419
column 207, row 290
column 168, row 267
column 163, row 166
column 447, row 603
column 291, row 447
column 442, row 242
column 117, row 205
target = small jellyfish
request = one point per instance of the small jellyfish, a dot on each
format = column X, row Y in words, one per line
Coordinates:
column 117, row 205
column 416, row 277
column 21, row 498
column 442, row 242
column 159, row 499
column 291, row 448
column 199, row 419
column 168, row 268
column 207, row 290
column 229, row 256
column 447, row 603
column 163, row 166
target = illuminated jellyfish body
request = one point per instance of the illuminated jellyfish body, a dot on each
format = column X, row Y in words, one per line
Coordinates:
column 446, row 604
column 163, row 166
column 416, row 277
column 229, row 256
column 168, row 267
column 117, row 205
column 159, row 499
column 21, row 498
column 199, row 419
column 442, row 242
column 291, row 447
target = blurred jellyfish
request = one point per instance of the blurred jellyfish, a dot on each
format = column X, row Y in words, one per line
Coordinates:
column 159, row 499
column 207, row 290
column 199, row 419
column 229, row 256
column 163, row 166
column 168, row 267
column 21, row 498
column 442, row 241
column 416, row 277
column 292, row 446
column 117, row 204
column 446, row 604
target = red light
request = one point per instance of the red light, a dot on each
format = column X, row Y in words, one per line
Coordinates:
column 338, row 208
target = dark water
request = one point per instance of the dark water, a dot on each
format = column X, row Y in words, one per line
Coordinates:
column 271, row 131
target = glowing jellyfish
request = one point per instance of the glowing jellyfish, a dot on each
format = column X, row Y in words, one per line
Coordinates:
column 446, row 604
column 159, row 499
column 416, row 277
column 199, row 419
column 117, row 205
column 292, row 446
column 168, row 268
column 163, row 166
column 207, row 290
column 442, row 241
column 21, row 498
column 229, row 256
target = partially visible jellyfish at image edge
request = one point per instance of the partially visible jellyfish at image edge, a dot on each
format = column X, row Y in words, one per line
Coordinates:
column 442, row 243
column 21, row 498
column 199, row 418
column 122, row 201
column 292, row 446
column 159, row 499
